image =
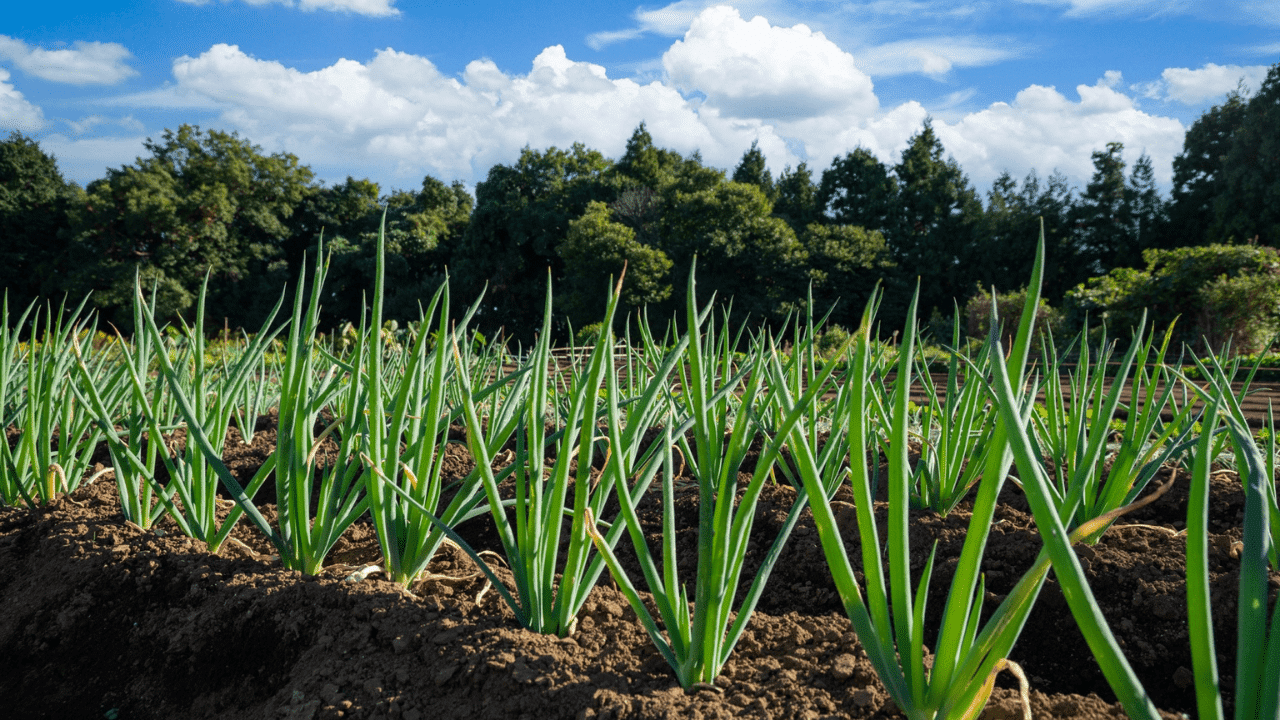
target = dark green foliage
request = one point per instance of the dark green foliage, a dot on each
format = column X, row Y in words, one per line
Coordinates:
column 752, row 171
column 522, row 214
column 937, row 222
column 1215, row 291
column 797, row 198
column 200, row 202
column 1198, row 170
column 1006, row 238
column 34, row 201
column 859, row 190
column 422, row 229
column 1248, row 203
column 597, row 247
column 845, row 263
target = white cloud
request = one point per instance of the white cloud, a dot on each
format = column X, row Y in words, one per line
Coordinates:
column 935, row 56
column 751, row 69
column 398, row 111
column 370, row 8
column 16, row 113
column 89, row 122
column 85, row 63
column 396, row 117
column 1042, row 129
column 1194, row 87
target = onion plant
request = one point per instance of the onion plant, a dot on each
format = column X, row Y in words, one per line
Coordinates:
column 956, row 431
column 57, row 433
column 12, row 394
column 205, row 400
column 698, row 643
column 1051, row 521
column 145, row 410
column 406, row 406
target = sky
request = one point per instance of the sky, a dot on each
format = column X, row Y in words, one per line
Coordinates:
column 393, row 90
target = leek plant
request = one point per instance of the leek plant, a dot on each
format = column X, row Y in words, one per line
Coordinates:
column 57, row 433
column 956, row 431
column 1075, row 436
column 205, row 400
column 407, row 406
column 12, row 391
column 145, row 410
column 698, row 643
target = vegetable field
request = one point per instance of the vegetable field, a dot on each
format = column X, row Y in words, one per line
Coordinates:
column 709, row 521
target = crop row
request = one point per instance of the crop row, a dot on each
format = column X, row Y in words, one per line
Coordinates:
column 632, row 412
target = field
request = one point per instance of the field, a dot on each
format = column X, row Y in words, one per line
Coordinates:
column 703, row 523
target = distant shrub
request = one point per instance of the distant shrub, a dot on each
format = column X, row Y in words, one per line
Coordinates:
column 1009, row 307
column 1217, row 292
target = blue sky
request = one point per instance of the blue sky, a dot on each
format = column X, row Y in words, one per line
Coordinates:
column 394, row 90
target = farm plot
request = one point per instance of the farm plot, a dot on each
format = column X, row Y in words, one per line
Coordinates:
column 414, row 531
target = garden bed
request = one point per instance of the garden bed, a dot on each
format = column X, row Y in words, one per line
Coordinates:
column 99, row 619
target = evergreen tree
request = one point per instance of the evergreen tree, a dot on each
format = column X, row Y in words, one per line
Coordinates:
column 1247, row 205
column 1100, row 218
column 1198, row 171
column 752, row 170
column 1146, row 214
column 939, row 215
column 859, row 190
column 797, row 198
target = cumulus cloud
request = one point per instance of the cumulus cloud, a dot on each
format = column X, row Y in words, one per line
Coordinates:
column 84, row 63
column 754, row 69
column 16, row 113
column 935, row 56
column 370, row 8
column 726, row 82
column 399, row 110
column 1193, row 87
column 1045, row 130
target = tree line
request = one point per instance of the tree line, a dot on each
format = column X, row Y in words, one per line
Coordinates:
column 207, row 202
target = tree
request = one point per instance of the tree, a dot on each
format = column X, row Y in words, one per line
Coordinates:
column 1248, row 202
column 859, row 190
column 595, row 250
column 1101, row 231
column 34, row 200
column 1198, row 170
column 935, row 230
column 522, row 214
column 421, row 229
column 1146, row 214
column 744, row 253
column 201, row 202
column 797, row 198
column 752, row 170
column 845, row 263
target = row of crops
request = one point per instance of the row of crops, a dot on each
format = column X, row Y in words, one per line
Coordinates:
column 569, row 444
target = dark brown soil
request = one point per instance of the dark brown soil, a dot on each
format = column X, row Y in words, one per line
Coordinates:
column 99, row 619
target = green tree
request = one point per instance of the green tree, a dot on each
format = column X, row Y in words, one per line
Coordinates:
column 744, row 253
column 753, row 170
column 1247, row 205
column 797, row 198
column 522, row 213
column 1146, row 213
column 845, row 263
column 422, row 230
column 1100, row 218
column 34, row 201
column 595, row 249
column 1198, row 170
column 938, row 220
column 859, row 190
column 1010, row 227
column 200, row 202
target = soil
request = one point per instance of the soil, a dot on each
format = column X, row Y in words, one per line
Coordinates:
column 100, row 619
